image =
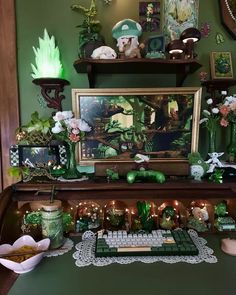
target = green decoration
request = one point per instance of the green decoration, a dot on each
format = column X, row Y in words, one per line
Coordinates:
column 195, row 158
column 169, row 211
column 167, row 220
column 90, row 28
column 221, row 209
column 144, row 210
column 47, row 59
column 156, row 176
column 217, row 176
column 34, row 217
column 112, row 175
column 219, row 38
column 36, row 132
column 197, row 224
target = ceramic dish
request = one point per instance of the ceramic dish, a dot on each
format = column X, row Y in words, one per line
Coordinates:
column 29, row 263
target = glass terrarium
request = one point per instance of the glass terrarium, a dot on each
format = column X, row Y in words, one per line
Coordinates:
column 169, row 215
column 198, row 215
column 88, row 216
column 223, row 219
column 144, row 216
column 116, row 215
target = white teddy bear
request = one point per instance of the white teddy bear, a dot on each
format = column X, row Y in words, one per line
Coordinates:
column 104, row 52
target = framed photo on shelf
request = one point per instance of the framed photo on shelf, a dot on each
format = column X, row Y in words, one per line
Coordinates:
column 221, row 65
column 162, row 123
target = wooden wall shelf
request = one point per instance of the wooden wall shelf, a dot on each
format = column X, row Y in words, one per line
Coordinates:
column 214, row 87
column 179, row 67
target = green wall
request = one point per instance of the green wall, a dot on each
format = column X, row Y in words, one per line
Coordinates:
column 57, row 17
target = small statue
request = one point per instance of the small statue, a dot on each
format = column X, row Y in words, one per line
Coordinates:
column 126, row 32
column 198, row 167
column 104, row 52
column 168, row 218
column 214, row 161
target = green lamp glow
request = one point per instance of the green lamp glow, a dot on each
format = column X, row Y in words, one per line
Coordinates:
column 47, row 59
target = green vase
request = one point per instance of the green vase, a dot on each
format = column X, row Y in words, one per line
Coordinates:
column 212, row 140
column 231, row 150
column 71, row 166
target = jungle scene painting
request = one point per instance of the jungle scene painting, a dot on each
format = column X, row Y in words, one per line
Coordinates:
column 158, row 125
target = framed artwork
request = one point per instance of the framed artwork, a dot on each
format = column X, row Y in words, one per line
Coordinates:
column 155, row 45
column 149, row 16
column 179, row 15
column 228, row 16
column 221, row 65
column 162, row 123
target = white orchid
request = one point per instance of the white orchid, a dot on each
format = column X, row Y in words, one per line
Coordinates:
column 57, row 128
column 63, row 115
column 69, row 128
column 83, row 126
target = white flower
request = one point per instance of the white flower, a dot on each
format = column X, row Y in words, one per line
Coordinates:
column 203, row 120
column 63, row 115
column 73, row 123
column 83, row 126
column 57, row 128
column 209, row 101
column 215, row 110
column 223, row 92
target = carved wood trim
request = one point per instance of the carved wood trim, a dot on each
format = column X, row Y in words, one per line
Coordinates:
column 9, row 106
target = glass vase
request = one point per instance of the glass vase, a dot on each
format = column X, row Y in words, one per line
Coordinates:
column 231, row 150
column 71, row 166
column 212, row 140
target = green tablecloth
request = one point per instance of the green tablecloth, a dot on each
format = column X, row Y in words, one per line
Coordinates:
column 60, row 275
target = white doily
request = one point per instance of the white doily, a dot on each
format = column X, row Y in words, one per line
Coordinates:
column 66, row 247
column 85, row 253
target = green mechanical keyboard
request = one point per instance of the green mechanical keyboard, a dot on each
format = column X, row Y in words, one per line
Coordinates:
column 155, row 243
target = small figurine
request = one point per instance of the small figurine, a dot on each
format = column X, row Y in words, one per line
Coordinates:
column 156, row 176
column 222, row 219
column 214, row 161
column 198, row 167
column 168, row 218
column 104, row 52
column 126, row 32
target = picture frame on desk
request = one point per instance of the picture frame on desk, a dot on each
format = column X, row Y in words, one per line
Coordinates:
column 162, row 123
column 32, row 155
column 221, row 65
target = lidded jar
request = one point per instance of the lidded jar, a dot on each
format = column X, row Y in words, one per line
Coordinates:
column 52, row 223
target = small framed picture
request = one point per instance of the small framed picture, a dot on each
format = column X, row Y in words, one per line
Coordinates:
column 221, row 65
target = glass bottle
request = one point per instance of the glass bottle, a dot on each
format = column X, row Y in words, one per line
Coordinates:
column 52, row 223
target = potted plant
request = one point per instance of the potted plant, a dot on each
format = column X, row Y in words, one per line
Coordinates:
column 89, row 36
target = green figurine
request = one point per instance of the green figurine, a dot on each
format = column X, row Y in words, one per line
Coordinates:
column 168, row 216
column 156, row 176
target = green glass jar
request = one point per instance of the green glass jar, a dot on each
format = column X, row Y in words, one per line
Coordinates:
column 52, row 223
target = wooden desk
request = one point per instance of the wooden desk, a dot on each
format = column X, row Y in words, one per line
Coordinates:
column 58, row 275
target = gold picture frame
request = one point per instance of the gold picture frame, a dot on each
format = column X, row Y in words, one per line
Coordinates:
column 162, row 123
column 221, row 65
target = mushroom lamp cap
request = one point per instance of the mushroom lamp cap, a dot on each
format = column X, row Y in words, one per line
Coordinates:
column 190, row 34
column 126, row 28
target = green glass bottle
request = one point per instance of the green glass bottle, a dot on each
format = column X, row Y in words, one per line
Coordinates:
column 52, row 223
